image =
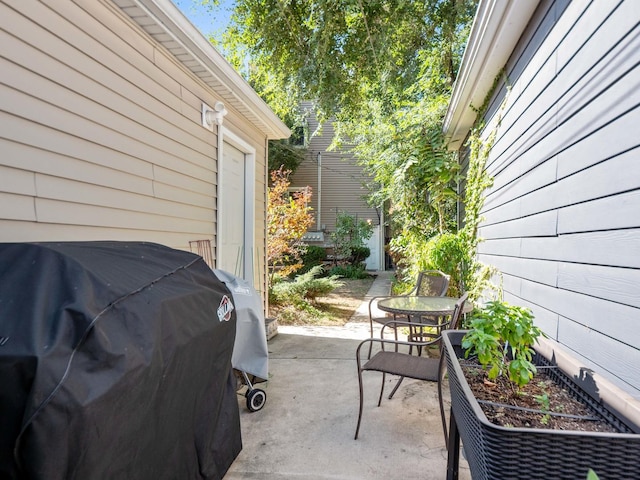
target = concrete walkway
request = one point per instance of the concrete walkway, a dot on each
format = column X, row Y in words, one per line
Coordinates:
column 305, row 431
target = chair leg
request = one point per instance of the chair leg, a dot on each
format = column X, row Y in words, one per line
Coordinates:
column 395, row 388
column 420, row 338
column 382, row 388
column 395, row 332
column 360, row 409
column 440, row 399
column 453, row 448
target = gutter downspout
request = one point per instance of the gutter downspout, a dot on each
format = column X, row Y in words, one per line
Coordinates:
column 264, row 279
column 319, row 218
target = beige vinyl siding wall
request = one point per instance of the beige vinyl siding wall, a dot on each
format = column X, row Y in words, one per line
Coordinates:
column 343, row 180
column 100, row 131
column 561, row 221
column 260, row 234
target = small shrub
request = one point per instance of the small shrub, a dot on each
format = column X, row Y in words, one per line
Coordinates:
column 288, row 218
column 350, row 234
column 359, row 254
column 447, row 252
column 303, row 289
column 349, row 271
column 276, row 279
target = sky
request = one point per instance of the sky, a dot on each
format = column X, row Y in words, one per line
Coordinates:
column 208, row 22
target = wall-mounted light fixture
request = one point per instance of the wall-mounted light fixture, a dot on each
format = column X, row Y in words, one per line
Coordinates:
column 213, row 116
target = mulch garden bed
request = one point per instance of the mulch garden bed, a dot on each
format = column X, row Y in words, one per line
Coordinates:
column 540, row 404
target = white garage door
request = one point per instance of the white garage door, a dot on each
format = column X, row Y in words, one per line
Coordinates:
column 231, row 256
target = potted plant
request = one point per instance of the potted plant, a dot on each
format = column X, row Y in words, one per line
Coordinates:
column 498, row 352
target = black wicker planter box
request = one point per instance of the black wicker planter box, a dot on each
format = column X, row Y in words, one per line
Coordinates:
column 496, row 452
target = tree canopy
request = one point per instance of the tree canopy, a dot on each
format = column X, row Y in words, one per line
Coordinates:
column 383, row 71
column 340, row 53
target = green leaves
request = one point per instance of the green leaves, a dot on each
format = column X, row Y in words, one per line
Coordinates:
column 350, row 234
column 284, row 156
column 383, row 71
column 502, row 337
column 288, row 218
column 303, row 289
column 342, row 53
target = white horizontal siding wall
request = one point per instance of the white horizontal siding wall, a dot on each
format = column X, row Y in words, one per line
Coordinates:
column 562, row 221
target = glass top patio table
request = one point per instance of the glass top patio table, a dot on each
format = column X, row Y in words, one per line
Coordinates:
column 411, row 305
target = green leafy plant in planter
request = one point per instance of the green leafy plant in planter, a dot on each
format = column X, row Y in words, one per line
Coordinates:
column 502, row 337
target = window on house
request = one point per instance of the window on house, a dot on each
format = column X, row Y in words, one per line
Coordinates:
column 299, row 135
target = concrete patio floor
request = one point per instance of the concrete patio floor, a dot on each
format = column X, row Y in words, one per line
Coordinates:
column 306, row 428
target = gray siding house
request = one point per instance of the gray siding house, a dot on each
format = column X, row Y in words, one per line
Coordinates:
column 562, row 220
column 120, row 121
column 338, row 184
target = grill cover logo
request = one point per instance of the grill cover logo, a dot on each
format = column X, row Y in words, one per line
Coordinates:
column 225, row 309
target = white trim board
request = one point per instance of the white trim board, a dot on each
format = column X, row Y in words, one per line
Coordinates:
column 227, row 136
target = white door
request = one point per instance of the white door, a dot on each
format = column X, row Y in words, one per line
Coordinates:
column 373, row 262
column 232, row 211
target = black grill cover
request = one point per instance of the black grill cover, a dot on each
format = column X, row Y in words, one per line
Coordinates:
column 115, row 362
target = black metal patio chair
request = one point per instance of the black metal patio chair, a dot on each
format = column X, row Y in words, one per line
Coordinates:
column 430, row 283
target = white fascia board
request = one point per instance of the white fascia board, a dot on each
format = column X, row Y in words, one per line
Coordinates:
column 172, row 20
column 496, row 29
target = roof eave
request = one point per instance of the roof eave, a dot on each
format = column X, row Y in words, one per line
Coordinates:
column 496, row 29
column 167, row 24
